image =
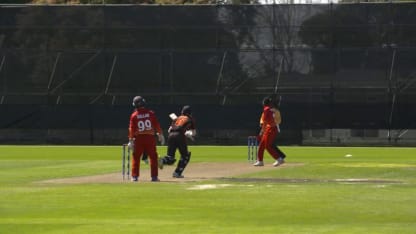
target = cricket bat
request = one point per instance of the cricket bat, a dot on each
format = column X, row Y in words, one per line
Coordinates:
column 173, row 116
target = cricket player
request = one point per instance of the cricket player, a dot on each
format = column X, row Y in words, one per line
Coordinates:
column 182, row 127
column 142, row 129
column 268, row 133
column 278, row 121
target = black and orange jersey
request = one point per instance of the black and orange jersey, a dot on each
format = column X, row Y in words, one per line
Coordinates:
column 183, row 123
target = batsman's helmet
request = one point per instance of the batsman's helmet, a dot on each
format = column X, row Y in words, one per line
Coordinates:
column 139, row 101
column 186, row 110
column 267, row 101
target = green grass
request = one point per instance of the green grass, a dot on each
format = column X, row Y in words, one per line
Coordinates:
column 301, row 199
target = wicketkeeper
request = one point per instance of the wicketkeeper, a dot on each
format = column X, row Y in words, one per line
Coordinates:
column 142, row 129
column 182, row 127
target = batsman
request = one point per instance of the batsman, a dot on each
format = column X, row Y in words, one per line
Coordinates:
column 182, row 126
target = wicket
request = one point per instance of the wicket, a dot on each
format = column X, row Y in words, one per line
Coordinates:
column 252, row 145
column 123, row 162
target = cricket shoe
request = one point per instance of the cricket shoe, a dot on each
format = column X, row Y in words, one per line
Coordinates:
column 134, row 178
column 160, row 163
column 155, row 179
column 278, row 162
column 177, row 175
column 258, row 164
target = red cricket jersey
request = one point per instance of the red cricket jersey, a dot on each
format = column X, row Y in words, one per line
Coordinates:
column 143, row 121
column 267, row 118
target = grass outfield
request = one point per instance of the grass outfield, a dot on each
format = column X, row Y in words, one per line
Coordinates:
column 373, row 191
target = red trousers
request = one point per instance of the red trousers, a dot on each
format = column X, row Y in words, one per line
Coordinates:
column 267, row 142
column 144, row 143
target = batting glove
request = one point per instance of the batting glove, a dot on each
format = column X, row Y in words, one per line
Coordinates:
column 130, row 145
column 161, row 139
column 190, row 134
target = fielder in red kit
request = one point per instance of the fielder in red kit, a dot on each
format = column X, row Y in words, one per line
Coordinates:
column 268, row 134
column 142, row 129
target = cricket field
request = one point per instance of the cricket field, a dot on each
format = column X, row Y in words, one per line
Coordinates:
column 79, row 189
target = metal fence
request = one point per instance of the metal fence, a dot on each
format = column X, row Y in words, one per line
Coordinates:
column 336, row 66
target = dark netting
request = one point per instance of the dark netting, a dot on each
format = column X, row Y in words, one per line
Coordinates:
column 365, row 68
column 84, row 73
column 405, row 65
column 136, row 73
column 76, row 16
column 297, row 15
column 336, row 66
column 192, row 38
column 134, row 38
column 403, row 14
column 188, row 15
column 245, row 15
column 119, row 16
column 25, row 71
